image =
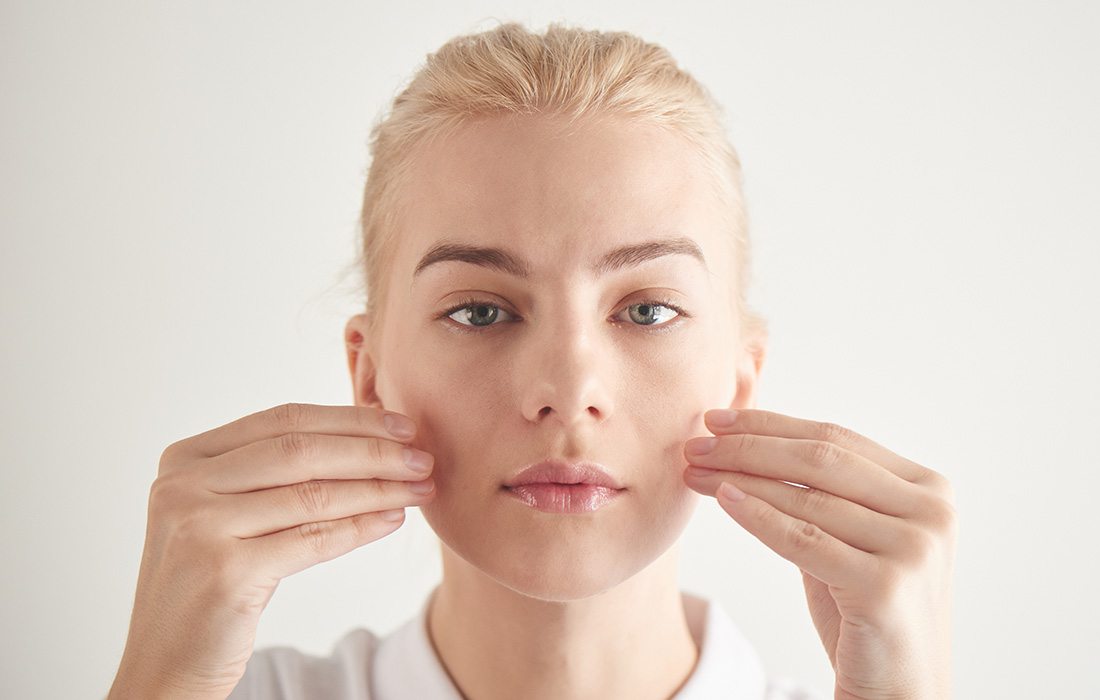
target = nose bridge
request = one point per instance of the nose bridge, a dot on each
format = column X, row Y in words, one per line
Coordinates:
column 566, row 375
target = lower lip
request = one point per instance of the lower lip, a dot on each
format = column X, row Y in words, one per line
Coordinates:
column 564, row 498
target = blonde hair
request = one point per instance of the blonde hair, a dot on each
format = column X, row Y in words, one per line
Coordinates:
column 565, row 71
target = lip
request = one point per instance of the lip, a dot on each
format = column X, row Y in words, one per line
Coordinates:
column 556, row 471
column 556, row 486
column 563, row 498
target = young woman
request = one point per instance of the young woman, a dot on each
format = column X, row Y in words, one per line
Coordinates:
column 556, row 259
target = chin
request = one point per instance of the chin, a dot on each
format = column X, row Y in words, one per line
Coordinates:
column 557, row 558
column 552, row 580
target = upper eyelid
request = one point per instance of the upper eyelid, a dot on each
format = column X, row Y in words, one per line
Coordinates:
column 475, row 302
column 465, row 304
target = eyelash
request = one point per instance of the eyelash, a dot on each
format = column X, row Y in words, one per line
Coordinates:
column 477, row 330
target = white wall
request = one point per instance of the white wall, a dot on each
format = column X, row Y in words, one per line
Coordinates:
column 179, row 185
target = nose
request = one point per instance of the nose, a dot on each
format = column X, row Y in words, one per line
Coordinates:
column 566, row 372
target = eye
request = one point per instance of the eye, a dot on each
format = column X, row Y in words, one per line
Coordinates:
column 478, row 313
column 650, row 312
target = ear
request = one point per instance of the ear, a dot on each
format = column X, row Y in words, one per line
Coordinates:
column 749, row 366
column 361, row 365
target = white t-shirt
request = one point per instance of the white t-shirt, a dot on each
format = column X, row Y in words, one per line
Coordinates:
column 403, row 666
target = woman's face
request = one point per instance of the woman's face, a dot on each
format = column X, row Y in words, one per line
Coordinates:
column 565, row 362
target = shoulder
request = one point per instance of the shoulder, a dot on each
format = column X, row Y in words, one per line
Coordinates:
column 286, row 673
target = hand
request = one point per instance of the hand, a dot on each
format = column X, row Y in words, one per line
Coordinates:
column 873, row 534
column 236, row 509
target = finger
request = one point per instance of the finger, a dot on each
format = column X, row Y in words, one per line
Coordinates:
column 290, row 418
column 803, row 543
column 823, row 465
column 295, row 549
column 295, row 457
column 263, row 512
column 751, row 420
column 849, row 522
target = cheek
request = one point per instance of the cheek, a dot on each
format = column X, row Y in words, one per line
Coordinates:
column 455, row 424
column 677, row 393
column 709, row 377
column 435, row 375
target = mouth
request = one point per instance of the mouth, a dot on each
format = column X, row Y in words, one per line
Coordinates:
column 558, row 471
column 550, row 497
column 558, row 486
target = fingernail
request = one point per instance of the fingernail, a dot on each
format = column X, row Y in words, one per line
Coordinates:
column 417, row 460
column 399, row 426
column 722, row 417
column 421, row 487
column 729, row 492
column 701, row 446
column 700, row 471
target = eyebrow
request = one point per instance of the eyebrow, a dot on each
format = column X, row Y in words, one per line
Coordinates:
column 508, row 263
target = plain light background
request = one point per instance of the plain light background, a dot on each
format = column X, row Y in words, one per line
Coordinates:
column 179, row 189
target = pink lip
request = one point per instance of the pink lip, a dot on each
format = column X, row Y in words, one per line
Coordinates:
column 556, row 471
column 564, row 498
column 555, row 486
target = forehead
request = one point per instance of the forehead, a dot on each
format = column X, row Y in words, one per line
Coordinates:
column 558, row 194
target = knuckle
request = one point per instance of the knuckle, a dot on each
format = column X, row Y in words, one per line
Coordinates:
column 290, row 417
column 316, row 536
column 297, row 447
column 160, row 491
column 809, row 499
column 935, row 504
column 919, row 545
column 765, row 421
column 804, row 536
column 311, row 497
column 364, row 527
column 938, row 483
column 169, row 457
column 941, row 515
column 375, row 451
column 832, row 432
column 377, row 488
column 164, row 495
column 822, row 453
column 947, row 491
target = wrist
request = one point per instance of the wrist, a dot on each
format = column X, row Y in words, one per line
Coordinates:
column 127, row 686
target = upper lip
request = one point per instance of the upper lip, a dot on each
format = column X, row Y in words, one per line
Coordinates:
column 557, row 471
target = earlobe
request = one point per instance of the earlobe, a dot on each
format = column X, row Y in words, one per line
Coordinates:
column 749, row 366
column 361, row 365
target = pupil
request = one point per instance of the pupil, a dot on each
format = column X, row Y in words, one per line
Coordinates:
column 483, row 313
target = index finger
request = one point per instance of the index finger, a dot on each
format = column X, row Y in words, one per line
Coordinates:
column 759, row 422
column 365, row 421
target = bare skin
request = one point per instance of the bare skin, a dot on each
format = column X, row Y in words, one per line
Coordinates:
column 531, row 604
column 236, row 509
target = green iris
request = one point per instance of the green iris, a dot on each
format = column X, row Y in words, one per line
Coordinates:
column 488, row 314
column 643, row 316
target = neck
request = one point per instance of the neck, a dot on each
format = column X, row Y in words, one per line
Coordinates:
column 633, row 640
